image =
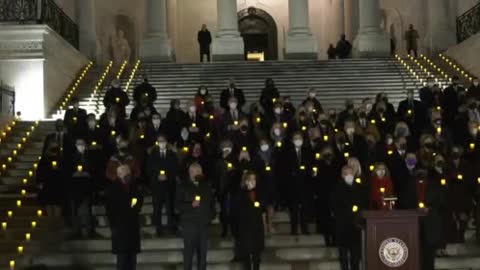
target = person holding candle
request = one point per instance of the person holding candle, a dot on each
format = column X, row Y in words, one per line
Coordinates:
column 195, row 203
column 381, row 187
column 162, row 170
column 249, row 211
column 116, row 98
column 123, row 204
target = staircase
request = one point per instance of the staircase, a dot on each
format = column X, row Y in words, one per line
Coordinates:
column 335, row 81
column 30, row 237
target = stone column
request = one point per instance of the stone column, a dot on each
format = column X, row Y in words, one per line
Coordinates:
column 156, row 46
column 440, row 36
column 86, row 23
column 339, row 20
column 300, row 42
column 228, row 44
column 351, row 18
column 371, row 40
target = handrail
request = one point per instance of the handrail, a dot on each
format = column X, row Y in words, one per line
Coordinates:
column 40, row 12
column 468, row 23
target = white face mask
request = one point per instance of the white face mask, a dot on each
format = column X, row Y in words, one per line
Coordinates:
column 193, row 109
column 311, row 95
column 112, row 120
column 91, row 124
column 81, row 148
column 475, row 84
column 250, row 185
column 298, row 143
column 162, row 145
column 184, row 134
column 156, row 122
column 277, row 132
column 348, row 179
column 227, row 150
column 278, row 110
column 381, row 173
column 430, row 84
column 203, row 92
column 233, row 105
column 389, row 141
column 350, row 131
column 264, row 147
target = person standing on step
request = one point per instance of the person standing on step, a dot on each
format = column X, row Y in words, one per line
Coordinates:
column 162, row 170
column 232, row 91
column 123, row 205
column 204, row 39
column 474, row 90
column 116, row 98
column 411, row 37
column 195, row 203
column 269, row 96
column 344, row 48
column 75, row 118
column 331, row 52
column 250, row 209
column 145, row 90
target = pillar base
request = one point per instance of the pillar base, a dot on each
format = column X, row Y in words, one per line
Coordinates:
column 156, row 49
column 228, row 49
column 301, row 47
column 371, row 45
column 439, row 41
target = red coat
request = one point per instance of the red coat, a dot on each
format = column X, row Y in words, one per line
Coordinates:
column 380, row 188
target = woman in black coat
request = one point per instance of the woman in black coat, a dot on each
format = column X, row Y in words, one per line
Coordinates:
column 251, row 236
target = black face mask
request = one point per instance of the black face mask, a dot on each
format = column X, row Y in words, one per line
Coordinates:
column 349, row 107
column 429, row 145
column 456, row 156
column 324, row 122
column 380, row 110
column 243, row 129
column 341, row 140
column 402, row 146
column 440, row 164
column 362, row 115
column 328, row 156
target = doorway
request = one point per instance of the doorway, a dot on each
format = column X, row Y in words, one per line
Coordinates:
column 259, row 33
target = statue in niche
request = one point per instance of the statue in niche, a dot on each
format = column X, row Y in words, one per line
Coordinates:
column 121, row 48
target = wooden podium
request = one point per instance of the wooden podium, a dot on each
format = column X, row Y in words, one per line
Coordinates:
column 391, row 240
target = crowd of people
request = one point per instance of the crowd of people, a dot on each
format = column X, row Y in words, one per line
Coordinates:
column 324, row 167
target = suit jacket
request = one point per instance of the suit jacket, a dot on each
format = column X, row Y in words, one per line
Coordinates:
column 414, row 113
column 75, row 121
column 147, row 90
column 156, row 164
column 225, row 96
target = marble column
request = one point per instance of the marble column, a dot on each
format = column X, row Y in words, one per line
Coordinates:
column 300, row 44
column 351, row 18
column 228, row 44
column 371, row 40
column 86, row 23
column 156, row 45
column 439, row 36
column 339, row 19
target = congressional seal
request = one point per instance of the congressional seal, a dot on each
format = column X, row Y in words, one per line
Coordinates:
column 393, row 252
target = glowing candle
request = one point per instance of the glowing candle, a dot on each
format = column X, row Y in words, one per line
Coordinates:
column 39, row 213
column 354, row 208
column 325, row 138
column 162, row 172
column 198, row 198
column 302, row 168
column 79, row 168
column 34, row 224
column 421, row 205
column 443, row 182
column 19, row 203
column 358, row 180
column 20, row 249
column 28, row 236
column 382, row 190
column 256, row 204
column 4, row 225
column 134, row 202
column 268, row 168
column 372, row 168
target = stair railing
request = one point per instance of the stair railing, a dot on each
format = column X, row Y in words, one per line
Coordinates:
column 468, row 24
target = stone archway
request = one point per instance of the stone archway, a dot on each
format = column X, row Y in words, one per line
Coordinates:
column 259, row 32
column 392, row 23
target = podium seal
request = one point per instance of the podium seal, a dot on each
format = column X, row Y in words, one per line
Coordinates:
column 393, row 252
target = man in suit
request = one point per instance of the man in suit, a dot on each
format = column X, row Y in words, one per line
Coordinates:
column 231, row 117
column 116, row 98
column 196, row 205
column 411, row 37
column 232, row 91
column 162, row 171
column 355, row 143
column 426, row 93
column 204, row 39
column 296, row 166
column 63, row 139
column 412, row 112
column 75, row 118
column 451, row 100
column 145, row 90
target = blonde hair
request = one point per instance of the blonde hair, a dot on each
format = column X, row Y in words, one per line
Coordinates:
column 355, row 165
column 246, row 175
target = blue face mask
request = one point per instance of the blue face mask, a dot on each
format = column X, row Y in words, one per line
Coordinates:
column 411, row 162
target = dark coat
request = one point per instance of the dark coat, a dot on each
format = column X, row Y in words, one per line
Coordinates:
column 185, row 195
column 414, row 113
column 451, row 102
column 347, row 229
column 65, row 141
column 53, row 180
column 117, row 97
column 266, row 98
column 174, row 122
column 75, row 121
column 145, row 90
column 81, row 185
column 225, row 96
column 296, row 180
column 251, row 236
column 155, row 164
column 435, row 201
column 204, row 38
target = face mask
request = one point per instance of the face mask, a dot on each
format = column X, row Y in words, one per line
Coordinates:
column 243, row 128
column 327, row 156
column 184, row 134
column 348, row 179
column 402, row 132
column 264, row 147
column 277, row 132
column 324, row 122
column 203, row 92
column 429, row 145
column 193, row 109
column 389, row 141
column 81, row 148
column 122, row 148
column 362, row 115
column 227, row 150
column 381, row 110
column 156, row 122
column 475, row 83
column 250, row 185
column 454, row 83
column 312, row 95
column 381, row 173
column 410, row 96
column 162, row 145
column 278, row 110
column 233, row 105
column 91, row 124
column 341, row 140
column 350, row 131
column 298, row 143
column 430, row 84
column 474, row 131
column 440, row 164
column 411, row 163
column 456, row 155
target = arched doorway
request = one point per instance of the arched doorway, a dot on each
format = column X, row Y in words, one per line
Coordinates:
column 259, row 33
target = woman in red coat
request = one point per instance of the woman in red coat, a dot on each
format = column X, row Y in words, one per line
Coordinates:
column 381, row 187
